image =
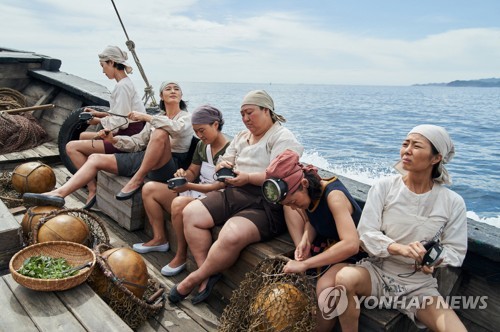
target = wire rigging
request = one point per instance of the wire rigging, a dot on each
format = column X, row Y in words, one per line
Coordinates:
column 148, row 90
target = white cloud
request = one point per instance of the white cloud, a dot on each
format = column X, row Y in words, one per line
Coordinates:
column 280, row 47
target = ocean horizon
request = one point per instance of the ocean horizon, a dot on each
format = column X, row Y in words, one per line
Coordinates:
column 356, row 131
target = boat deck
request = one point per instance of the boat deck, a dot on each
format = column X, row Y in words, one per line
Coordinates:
column 182, row 317
column 76, row 309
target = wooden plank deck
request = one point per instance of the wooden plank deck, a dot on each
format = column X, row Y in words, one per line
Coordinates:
column 76, row 309
column 181, row 317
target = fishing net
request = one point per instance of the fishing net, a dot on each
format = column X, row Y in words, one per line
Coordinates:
column 18, row 131
column 269, row 300
column 133, row 310
column 8, row 194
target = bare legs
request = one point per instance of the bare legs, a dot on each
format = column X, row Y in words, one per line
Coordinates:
column 157, row 198
column 439, row 318
column 178, row 205
column 235, row 235
column 80, row 150
column 86, row 175
column 157, row 154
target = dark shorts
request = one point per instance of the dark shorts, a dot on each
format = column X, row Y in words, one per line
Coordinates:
column 132, row 129
column 246, row 202
column 129, row 163
column 181, row 159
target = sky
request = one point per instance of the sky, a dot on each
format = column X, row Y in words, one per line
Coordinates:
column 365, row 42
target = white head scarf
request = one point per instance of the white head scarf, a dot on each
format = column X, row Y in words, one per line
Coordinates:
column 439, row 137
column 114, row 53
column 165, row 83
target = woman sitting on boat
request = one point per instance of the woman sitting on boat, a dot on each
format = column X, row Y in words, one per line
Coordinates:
column 124, row 100
column 207, row 123
column 402, row 214
column 244, row 215
column 151, row 153
column 326, row 234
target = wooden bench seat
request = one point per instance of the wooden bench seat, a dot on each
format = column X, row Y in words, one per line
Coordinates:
column 129, row 213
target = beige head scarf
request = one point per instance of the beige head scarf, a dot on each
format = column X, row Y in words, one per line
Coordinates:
column 439, row 137
column 117, row 55
column 263, row 99
column 165, row 83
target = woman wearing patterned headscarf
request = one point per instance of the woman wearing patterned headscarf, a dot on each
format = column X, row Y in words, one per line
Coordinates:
column 402, row 214
column 207, row 122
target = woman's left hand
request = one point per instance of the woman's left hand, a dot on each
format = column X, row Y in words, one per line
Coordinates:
column 430, row 269
column 294, row 267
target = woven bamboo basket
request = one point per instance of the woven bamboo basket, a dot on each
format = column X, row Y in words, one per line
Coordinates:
column 98, row 233
column 74, row 253
column 133, row 310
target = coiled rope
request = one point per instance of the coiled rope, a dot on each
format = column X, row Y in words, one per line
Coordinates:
column 18, row 131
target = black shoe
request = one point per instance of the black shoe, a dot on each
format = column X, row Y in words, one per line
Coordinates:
column 91, row 203
column 43, row 200
column 204, row 294
column 121, row 196
column 174, row 296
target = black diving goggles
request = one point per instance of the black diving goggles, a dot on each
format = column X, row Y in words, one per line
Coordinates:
column 274, row 190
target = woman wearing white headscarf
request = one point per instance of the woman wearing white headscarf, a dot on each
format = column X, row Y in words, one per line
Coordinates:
column 123, row 100
column 401, row 215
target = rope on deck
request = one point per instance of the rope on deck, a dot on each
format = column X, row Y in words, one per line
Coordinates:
column 18, row 131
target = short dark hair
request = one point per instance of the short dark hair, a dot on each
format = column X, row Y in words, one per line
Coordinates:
column 182, row 105
column 119, row 66
column 314, row 190
column 435, row 169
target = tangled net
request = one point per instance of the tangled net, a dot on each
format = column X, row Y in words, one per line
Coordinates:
column 269, row 300
column 18, row 131
column 133, row 310
column 98, row 233
column 8, row 194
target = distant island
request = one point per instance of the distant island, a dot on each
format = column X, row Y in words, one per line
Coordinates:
column 481, row 83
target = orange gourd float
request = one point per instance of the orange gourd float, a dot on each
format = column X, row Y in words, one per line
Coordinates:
column 33, row 215
column 64, row 227
column 33, row 177
column 127, row 266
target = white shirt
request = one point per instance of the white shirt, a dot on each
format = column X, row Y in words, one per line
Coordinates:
column 256, row 157
column 431, row 210
column 124, row 99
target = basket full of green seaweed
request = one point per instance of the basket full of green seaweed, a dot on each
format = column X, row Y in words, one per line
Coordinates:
column 52, row 266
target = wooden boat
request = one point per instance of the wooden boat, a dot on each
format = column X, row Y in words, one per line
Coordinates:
column 39, row 79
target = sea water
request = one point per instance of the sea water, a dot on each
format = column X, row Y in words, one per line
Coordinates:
column 357, row 131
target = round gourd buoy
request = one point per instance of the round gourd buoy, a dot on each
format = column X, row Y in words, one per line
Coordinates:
column 33, row 215
column 277, row 306
column 64, row 227
column 33, row 177
column 129, row 267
